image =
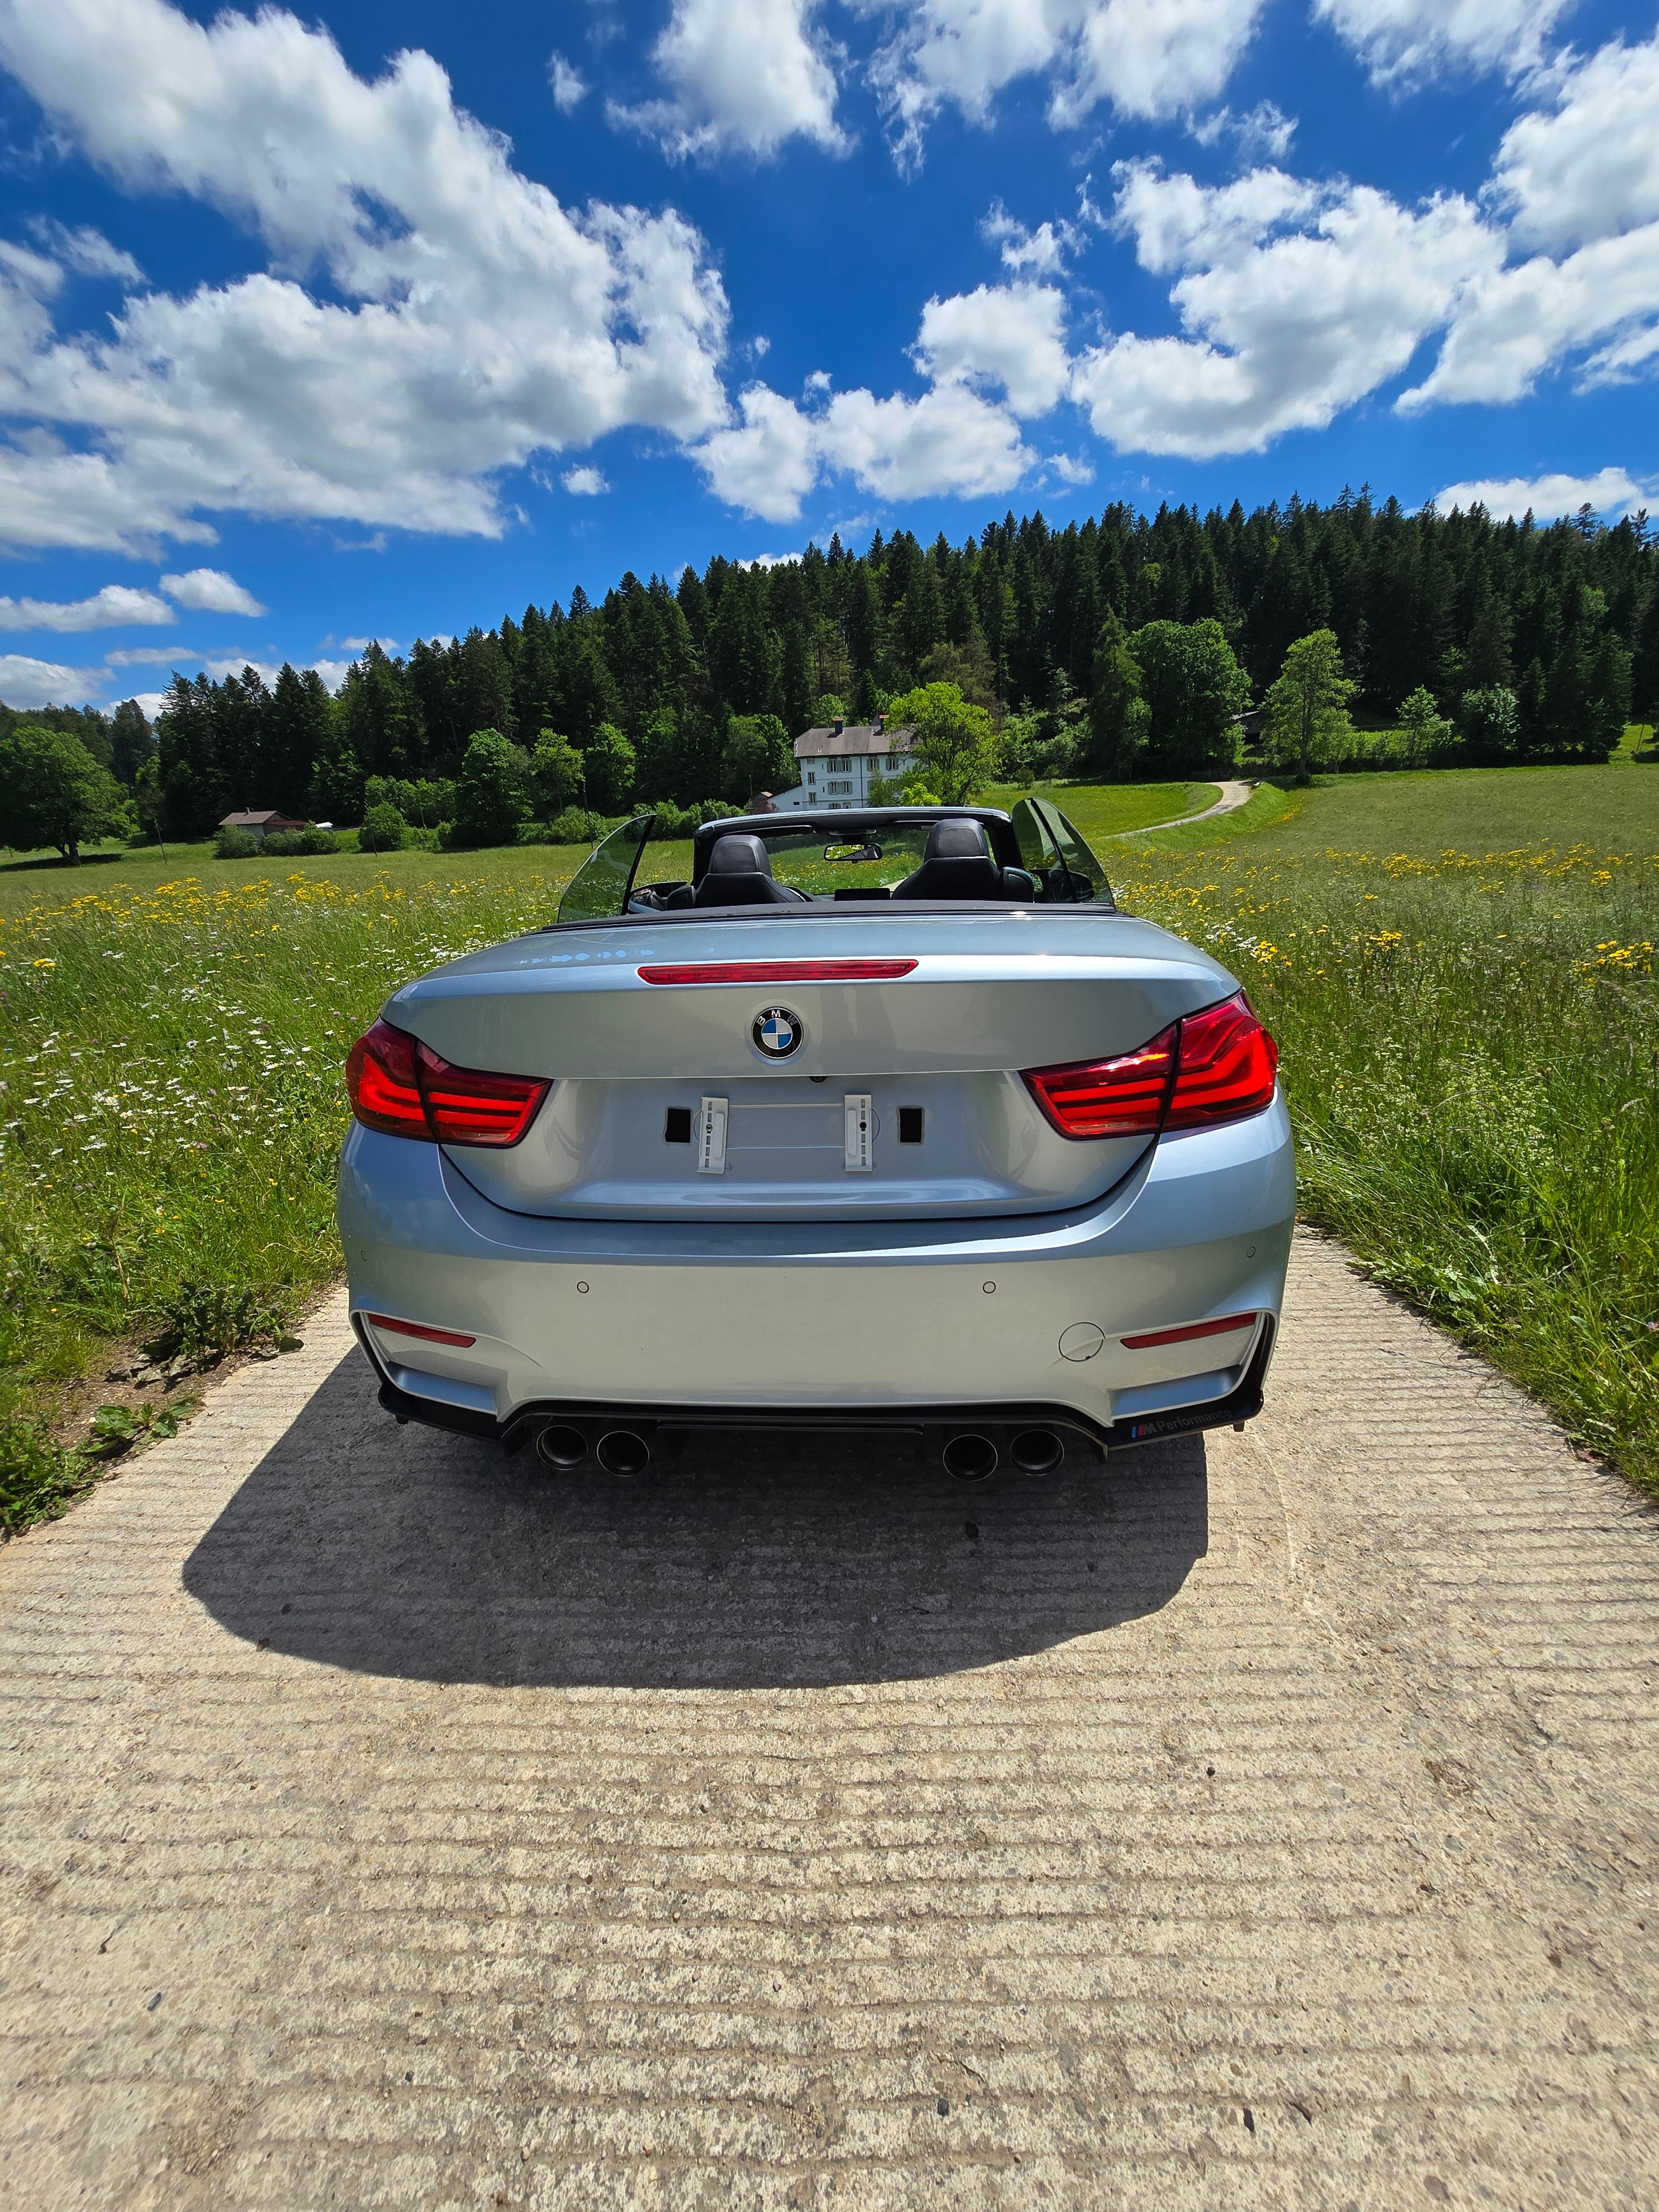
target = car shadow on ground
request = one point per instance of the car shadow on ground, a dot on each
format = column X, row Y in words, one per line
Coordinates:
column 744, row 1563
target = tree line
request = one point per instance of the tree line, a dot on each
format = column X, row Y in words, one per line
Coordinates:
column 1124, row 645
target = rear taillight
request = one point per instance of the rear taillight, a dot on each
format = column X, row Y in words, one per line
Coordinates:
column 1228, row 1066
column 1122, row 1097
column 402, row 1087
column 1217, row 1066
column 381, row 1077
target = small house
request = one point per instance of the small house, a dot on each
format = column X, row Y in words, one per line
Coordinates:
column 262, row 824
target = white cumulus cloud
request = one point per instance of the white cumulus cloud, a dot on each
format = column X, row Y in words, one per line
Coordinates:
column 1007, row 334
column 948, row 441
column 1144, row 58
column 1263, row 132
column 587, row 483
column 1609, row 491
column 767, row 462
column 1588, row 166
column 1580, row 173
column 210, row 591
column 1296, row 300
column 113, row 608
column 1406, row 40
column 26, row 683
column 484, row 320
column 744, row 75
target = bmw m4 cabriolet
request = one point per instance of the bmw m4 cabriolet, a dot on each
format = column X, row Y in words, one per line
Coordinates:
column 881, row 1120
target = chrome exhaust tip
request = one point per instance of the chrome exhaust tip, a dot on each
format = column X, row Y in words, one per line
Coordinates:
column 561, row 1446
column 1036, row 1451
column 623, row 1451
column 971, row 1457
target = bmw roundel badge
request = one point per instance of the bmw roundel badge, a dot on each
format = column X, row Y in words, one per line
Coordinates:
column 777, row 1032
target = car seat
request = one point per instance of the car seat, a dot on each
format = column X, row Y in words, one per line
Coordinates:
column 740, row 874
column 957, row 864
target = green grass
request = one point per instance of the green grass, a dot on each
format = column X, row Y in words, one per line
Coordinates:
column 171, row 1048
column 1102, row 810
column 42, row 879
column 1458, row 966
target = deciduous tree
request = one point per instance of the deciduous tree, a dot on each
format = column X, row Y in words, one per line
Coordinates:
column 1308, row 703
column 53, row 793
column 492, row 791
column 954, row 741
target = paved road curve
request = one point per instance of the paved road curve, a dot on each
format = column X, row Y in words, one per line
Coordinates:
column 1233, row 796
column 1265, row 1821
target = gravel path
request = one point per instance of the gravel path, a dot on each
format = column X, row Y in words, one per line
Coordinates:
column 1233, row 796
column 1268, row 1821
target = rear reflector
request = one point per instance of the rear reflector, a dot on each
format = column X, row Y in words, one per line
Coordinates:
column 420, row 1329
column 403, row 1088
column 781, row 971
column 1225, row 1327
column 1217, row 1066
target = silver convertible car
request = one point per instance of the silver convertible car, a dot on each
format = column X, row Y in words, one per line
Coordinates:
column 883, row 1119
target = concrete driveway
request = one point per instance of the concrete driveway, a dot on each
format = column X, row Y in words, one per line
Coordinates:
column 1268, row 1819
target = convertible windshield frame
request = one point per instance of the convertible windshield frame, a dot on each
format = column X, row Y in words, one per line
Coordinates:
column 1035, row 843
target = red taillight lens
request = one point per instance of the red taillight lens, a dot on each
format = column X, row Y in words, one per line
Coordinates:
column 1122, row 1097
column 381, row 1077
column 1217, row 1066
column 1228, row 1065
column 466, row 1106
column 401, row 1086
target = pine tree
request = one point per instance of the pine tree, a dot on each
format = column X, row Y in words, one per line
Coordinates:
column 132, row 742
column 1119, row 720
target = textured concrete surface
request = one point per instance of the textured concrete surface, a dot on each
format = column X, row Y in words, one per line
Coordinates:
column 1263, row 1820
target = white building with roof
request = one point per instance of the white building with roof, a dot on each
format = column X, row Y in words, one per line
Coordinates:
column 837, row 763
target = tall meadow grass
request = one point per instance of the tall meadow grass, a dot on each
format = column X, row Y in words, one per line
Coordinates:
column 1470, row 1046
column 171, row 1095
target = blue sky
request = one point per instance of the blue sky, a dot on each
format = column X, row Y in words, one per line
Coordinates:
column 381, row 322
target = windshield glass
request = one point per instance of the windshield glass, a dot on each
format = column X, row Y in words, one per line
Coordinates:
column 599, row 887
column 1056, row 855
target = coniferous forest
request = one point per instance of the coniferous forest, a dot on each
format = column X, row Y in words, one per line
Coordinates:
column 708, row 678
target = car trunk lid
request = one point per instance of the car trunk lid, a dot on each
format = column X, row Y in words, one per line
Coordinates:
column 777, row 1090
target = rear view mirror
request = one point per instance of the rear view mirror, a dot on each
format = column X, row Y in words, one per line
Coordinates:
column 864, row 852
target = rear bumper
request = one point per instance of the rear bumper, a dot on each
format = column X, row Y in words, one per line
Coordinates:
column 877, row 1323
column 593, row 1421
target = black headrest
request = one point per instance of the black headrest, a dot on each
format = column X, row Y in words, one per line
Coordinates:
column 960, row 840
column 739, row 855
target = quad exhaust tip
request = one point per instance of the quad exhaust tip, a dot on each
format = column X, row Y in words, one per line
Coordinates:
column 623, row 1451
column 561, row 1447
column 971, row 1457
column 1036, row 1451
